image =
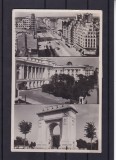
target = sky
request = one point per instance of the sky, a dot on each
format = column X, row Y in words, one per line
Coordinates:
column 86, row 113
column 76, row 61
column 50, row 13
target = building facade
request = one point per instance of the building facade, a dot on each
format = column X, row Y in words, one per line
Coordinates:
column 33, row 22
column 24, row 23
column 63, row 116
column 82, row 33
column 34, row 72
column 28, row 22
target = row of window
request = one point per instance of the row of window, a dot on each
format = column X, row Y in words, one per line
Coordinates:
column 69, row 70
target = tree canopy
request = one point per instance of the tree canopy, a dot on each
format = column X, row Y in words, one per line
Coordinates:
column 90, row 130
column 65, row 86
column 25, row 127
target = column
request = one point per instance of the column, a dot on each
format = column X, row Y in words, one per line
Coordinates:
column 68, row 139
column 46, row 74
column 35, row 73
column 42, row 135
column 75, row 73
column 32, row 84
column 28, row 85
column 21, row 72
column 27, row 72
column 31, row 72
column 39, row 84
column 20, row 77
column 35, row 84
column 40, row 72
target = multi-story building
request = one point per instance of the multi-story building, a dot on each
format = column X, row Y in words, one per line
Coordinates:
column 65, row 30
column 59, row 24
column 34, row 72
column 33, row 22
column 82, row 34
column 86, row 38
column 24, row 23
column 25, row 44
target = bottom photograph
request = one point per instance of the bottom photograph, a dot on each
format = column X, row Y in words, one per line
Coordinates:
column 56, row 128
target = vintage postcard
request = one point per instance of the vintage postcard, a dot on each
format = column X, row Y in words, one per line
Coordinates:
column 56, row 81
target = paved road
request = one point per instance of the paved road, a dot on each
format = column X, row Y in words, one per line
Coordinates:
column 41, row 97
column 59, row 48
column 63, row 49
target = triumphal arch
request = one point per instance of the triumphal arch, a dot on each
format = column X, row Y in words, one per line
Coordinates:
column 63, row 116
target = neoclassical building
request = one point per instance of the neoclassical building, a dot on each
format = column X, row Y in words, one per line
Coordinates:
column 34, row 72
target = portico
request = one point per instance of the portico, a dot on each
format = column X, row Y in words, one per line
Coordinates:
column 34, row 73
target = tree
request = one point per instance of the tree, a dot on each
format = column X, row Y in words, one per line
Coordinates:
column 90, row 130
column 32, row 145
column 65, row 86
column 81, row 144
column 25, row 128
column 18, row 142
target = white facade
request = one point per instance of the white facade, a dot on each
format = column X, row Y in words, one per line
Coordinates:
column 63, row 116
column 35, row 72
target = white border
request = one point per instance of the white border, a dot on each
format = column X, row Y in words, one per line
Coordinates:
column 13, row 82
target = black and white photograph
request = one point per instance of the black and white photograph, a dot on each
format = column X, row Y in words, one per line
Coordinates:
column 56, row 81
column 56, row 33
column 56, row 128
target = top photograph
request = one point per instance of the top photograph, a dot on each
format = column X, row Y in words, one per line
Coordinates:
column 56, row 33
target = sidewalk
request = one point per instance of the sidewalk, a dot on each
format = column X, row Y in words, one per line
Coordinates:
column 31, row 101
column 39, row 97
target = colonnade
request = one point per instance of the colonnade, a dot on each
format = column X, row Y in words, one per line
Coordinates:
column 34, row 84
column 31, row 72
column 34, row 76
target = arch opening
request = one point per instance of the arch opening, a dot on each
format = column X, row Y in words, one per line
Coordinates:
column 55, row 135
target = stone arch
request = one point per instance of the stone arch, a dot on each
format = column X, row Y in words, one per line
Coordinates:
column 49, row 118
